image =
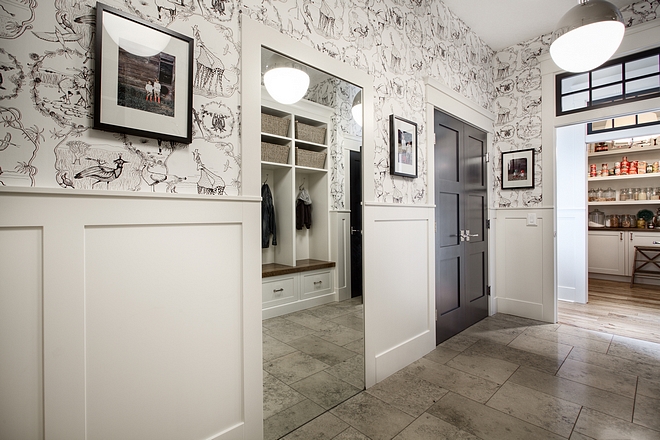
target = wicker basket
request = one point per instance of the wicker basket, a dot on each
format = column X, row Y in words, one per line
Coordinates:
column 309, row 133
column 311, row 159
column 274, row 153
column 274, row 125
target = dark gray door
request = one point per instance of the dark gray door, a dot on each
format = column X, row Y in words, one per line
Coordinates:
column 461, row 256
column 356, row 223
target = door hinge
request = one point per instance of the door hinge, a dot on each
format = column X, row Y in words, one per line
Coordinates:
column 488, row 290
column 435, row 227
column 487, row 157
column 488, row 224
column 436, row 315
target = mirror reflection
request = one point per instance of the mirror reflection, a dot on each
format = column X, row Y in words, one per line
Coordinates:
column 313, row 326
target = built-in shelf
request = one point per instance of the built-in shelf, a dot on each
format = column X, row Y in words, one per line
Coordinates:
column 274, row 269
column 625, row 177
column 275, row 165
column 624, row 151
column 631, row 202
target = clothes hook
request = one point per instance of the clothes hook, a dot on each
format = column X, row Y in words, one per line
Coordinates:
column 302, row 185
column 265, row 180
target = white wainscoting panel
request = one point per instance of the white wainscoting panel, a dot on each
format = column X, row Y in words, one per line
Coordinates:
column 340, row 251
column 168, row 309
column 525, row 264
column 151, row 316
column 398, row 257
column 21, row 324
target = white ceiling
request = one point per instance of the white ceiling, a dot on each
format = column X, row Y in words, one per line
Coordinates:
column 503, row 23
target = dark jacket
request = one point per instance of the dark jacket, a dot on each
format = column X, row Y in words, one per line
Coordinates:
column 303, row 215
column 267, row 217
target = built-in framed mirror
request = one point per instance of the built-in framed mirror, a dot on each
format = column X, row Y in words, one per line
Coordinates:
column 294, row 153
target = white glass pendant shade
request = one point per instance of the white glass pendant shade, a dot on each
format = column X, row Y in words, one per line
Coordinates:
column 587, row 36
column 356, row 110
column 285, row 81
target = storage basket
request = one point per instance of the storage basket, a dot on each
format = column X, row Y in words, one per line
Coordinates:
column 274, row 125
column 310, row 133
column 274, row 153
column 311, row 159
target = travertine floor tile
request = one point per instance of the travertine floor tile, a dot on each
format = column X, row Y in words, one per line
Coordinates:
column 428, row 427
column 285, row 330
column 320, row 349
column 541, row 347
column 324, row 427
column 594, row 398
column 405, row 391
column 540, row 409
column 272, row 348
column 457, row 381
column 442, row 354
column 308, row 320
column 485, row 422
column 599, row 377
column 584, row 333
column 515, row 356
column 350, row 321
column 597, row 425
column 351, row 434
column 291, row 418
column 459, row 342
column 617, row 364
column 278, row 396
column 569, row 339
column 294, row 367
column 498, row 331
column 351, row 371
column 648, row 388
column 634, row 349
column 372, row 416
column 325, row 389
column 493, row 369
column 340, row 335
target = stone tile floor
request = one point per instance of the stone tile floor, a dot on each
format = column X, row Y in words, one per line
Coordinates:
column 505, row 378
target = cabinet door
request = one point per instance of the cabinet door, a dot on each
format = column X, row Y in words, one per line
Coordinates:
column 316, row 283
column 279, row 290
column 639, row 239
column 608, row 252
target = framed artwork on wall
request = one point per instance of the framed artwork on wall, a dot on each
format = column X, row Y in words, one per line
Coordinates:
column 518, row 169
column 403, row 147
column 143, row 83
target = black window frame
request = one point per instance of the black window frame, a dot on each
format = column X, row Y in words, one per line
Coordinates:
column 614, row 100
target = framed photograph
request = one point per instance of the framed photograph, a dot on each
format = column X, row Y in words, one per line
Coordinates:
column 144, row 78
column 518, row 169
column 403, row 147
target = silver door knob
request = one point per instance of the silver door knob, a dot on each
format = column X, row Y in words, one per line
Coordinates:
column 468, row 235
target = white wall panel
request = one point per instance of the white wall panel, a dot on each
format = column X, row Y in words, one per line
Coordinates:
column 397, row 258
column 525, row 264
column 21, row 344
column 168, row 311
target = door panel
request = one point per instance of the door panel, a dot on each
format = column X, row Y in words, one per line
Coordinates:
column 356, row 223
column 461, row 234
column 448, row 283
column 448, row 231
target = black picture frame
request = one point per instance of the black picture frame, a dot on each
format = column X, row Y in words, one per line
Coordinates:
column 518, row 169
column 403, row 147
column 143, row 78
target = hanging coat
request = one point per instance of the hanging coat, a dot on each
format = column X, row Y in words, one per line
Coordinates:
column 303, row 210
column 267, row 217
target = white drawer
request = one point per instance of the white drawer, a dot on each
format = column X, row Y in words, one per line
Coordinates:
column 278, row 291
column 316, row 283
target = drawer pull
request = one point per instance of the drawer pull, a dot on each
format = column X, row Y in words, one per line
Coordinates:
column 318, row 282
column 278, row 290
column 656, row 242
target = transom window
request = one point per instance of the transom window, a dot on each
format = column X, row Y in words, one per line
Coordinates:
column 630, row 78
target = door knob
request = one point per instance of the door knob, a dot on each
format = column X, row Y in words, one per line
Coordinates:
column 355, row 231
column 468, row 235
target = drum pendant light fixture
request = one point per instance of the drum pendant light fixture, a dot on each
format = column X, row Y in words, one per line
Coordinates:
column 356, row 110
column 285, row 80
column 587, row 36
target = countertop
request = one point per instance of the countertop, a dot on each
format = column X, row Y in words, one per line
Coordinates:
column 274, row 269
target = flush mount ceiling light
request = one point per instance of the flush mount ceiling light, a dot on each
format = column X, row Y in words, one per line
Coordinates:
column 587, row 36
column 285, row 80
column 356, row 110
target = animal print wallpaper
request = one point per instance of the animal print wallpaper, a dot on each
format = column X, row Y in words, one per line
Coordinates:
column 518, row 106
column 46, row 89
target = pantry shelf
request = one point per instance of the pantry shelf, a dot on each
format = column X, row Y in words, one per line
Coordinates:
column 624, row 177
column 631, row 202
column 624, row 151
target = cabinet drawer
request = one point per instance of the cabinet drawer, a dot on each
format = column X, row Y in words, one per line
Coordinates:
column 316, row 283
column 278, row 291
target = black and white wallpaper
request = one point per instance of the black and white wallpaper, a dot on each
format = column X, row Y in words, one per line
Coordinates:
column 46, row 89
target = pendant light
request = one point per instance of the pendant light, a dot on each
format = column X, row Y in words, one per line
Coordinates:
column 587, row 36
column 356, row 110
column 285, row 80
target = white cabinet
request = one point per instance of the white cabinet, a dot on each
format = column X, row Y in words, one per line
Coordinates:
column 608, row 252
column 612, row 252
column 298, row 291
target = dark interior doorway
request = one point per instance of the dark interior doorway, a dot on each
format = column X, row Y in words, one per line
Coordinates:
column 356, row 222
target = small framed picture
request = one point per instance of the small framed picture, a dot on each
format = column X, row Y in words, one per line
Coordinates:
column 403, row 147
column 144, row 78
column 518, row 169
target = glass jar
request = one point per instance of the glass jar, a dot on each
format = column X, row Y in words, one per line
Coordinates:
column 635, row 193
column 596, row 219
column 611, row 221
column 656, row 194
column 626, row 221
column 609, row 195
column 643, row 194
column 592, row 195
